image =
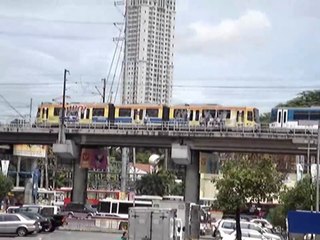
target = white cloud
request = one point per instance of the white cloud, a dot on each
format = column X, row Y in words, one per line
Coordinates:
column 229, row 34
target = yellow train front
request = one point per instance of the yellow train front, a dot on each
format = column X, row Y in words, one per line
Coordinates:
column 75, row 113
column 207, row 115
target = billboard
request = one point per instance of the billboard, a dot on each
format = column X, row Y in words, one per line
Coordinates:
column 28, row 150
column 94, row 158
column 209, row 163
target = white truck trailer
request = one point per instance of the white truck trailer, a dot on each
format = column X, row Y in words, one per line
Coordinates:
column 147, row 223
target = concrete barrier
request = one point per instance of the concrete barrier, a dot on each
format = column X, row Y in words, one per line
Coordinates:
column 110, row 225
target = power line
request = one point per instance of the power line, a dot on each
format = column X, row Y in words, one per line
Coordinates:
column 35, row 19
column 193, row 86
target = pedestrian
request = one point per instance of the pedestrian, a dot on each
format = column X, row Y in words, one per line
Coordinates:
column 124, row 236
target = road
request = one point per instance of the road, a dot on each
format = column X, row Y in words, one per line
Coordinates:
column 68, row 235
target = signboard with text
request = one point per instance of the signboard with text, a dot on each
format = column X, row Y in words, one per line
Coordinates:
column 28, row 150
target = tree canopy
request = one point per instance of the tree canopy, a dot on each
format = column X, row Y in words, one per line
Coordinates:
column 244, row 180
column 160, row 184
column 5, row 186
column 296, row 198
column 304, row 99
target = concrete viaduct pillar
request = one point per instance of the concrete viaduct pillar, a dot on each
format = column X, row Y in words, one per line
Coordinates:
column 70, row 151
column 192, row 179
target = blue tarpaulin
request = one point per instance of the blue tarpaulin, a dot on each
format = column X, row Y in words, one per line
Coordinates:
column 303, row 222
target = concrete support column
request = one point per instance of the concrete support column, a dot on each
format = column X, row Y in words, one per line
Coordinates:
column 31, row 166
column 192, row 180
column 18, row 171
column 191, row 195
column 80, row 181
column 124, row 170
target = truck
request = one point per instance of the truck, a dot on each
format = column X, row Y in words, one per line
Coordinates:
column 189, row 213
column 154, row 223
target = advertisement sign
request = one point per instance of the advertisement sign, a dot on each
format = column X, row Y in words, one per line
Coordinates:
column 209, row 163
column 28, row 150
column 94, row 158
column 5, row 167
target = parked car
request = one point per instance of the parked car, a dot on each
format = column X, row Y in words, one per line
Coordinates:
column 227, row 226
column 262, row 222
column 52, row 213
column 246, row 234
column 45, row 223
column 12, row 223
column 78, row 210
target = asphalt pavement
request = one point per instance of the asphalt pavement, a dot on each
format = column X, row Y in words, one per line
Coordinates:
column 67, row 235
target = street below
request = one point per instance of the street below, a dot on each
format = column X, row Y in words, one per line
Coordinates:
column 68, row 235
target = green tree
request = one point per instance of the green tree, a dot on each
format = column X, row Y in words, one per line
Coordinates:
column 265, row 118
column 304, row 99
column 5, row 185
column 244, row 181
column 160, row 184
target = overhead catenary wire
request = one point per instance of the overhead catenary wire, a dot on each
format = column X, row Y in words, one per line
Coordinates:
column 115, row 71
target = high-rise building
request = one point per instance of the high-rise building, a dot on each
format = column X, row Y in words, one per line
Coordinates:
column 149, row 44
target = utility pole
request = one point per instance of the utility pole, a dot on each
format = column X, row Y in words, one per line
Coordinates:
column 104, row 90
column 30, row 113
column 61, row 130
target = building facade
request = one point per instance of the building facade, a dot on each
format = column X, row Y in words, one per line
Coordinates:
column 149, row 44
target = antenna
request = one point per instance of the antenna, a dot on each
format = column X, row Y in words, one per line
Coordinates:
column 12, row 107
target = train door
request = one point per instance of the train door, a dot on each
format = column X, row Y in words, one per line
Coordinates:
column 138, row 116
column 282, row 117
column 191, row 117
column 240, row 118
column 285, row 117
column 45, row 112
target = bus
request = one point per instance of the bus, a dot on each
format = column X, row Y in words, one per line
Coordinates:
column 119, row 208
column 93, row 195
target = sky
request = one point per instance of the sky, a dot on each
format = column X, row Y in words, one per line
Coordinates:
column 230, row 52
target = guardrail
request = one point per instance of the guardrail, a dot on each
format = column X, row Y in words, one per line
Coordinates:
column 155, row 128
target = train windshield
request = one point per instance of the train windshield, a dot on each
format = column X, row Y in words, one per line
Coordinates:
column 274, row 115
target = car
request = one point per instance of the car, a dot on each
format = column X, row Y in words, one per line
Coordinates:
column 227, row 226
column 246, row 234
column 79, row 210
column 12, row 223
column 52, row 213
column 262, row 222
column 45, row 223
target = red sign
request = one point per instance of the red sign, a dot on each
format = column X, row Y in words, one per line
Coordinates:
column 94, row 158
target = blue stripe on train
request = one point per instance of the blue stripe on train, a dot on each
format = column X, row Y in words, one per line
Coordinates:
column 100, row 119
column 123, row 120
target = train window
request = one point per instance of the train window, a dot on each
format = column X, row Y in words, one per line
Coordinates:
column 87, row 113
column 152, row 112
column 191, row 115
column 300, row 115
column 180, row 113
column 56, row 111
column 256, row 115
column 197, row 115
column 314, row 115
column 98, row 112
column 224, row 114
column 250, row 116
column 124, row 112
column 38, row 113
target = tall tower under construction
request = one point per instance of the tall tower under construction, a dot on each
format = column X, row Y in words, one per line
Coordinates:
column 148, row 57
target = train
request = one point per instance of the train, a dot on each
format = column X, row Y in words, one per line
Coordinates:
column 202, row 115
column 208, row 115
column 295, row 117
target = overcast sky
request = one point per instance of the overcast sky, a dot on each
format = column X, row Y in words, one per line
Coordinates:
column 230, row 52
